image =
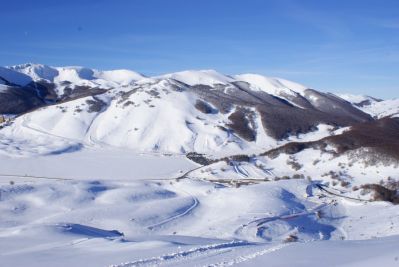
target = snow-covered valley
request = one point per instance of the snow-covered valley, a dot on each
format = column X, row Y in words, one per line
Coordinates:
column 195, row 168
column 187, row 222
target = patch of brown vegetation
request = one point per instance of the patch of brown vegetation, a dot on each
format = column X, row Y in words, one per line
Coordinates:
column 204, row 107
column 382, row 193
column 241, row 122
column 380, row 136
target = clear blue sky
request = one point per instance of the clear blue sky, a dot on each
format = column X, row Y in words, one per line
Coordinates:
column 331, row 45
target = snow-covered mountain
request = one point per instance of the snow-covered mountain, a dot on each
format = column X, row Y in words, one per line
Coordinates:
column 359, row 100
column 200, row 112
column 377, row 108
column 18, row 92
column 191, row 111
column 203, row 111
column 384, row 108
column 75, row 75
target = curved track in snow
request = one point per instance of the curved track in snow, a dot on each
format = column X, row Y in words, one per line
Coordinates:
column 194, row 204
column 259, row 222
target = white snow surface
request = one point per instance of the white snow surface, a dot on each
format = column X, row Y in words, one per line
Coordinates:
column 75, row 73
column 37, row 71
column 274, row 86
column 355, row 99
column 386, row 108
column 119, row 76
column 75, row 76
column 377, row 109
column 194, row 77
column 50, row 222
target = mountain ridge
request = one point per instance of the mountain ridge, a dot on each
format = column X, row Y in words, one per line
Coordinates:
column 203, row 110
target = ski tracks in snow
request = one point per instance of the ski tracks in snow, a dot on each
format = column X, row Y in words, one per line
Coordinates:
column 180, row 256
column 204, row 252
column 194, row 204
column 247, row 257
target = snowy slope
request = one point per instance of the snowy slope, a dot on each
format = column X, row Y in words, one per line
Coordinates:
column 36, row 71
column 357, row 99
column 58, row 79
column 137, row 120
column 194, row 77
column 383, row 108
column 376, row 107
column 75, row 74
column 119, row 76
column 14, row 77
column 81, row 75
column 274, row 86
column 188, row 223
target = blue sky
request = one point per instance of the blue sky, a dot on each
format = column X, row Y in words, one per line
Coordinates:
column 331, row 45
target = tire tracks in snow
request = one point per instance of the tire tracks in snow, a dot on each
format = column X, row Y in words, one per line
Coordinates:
column 35, row 177
column 72, row 179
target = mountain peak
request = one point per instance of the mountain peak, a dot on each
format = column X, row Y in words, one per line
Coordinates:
column 75, row 73
column 274, row 86
column 195, row 77
column 121, row 76
column 36, row 71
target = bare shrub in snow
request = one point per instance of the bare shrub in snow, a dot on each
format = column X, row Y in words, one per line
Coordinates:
column 291, row 238
column 381, row 193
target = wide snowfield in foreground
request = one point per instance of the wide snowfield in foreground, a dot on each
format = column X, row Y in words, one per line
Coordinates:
column 122, row 209
column 94, row 164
